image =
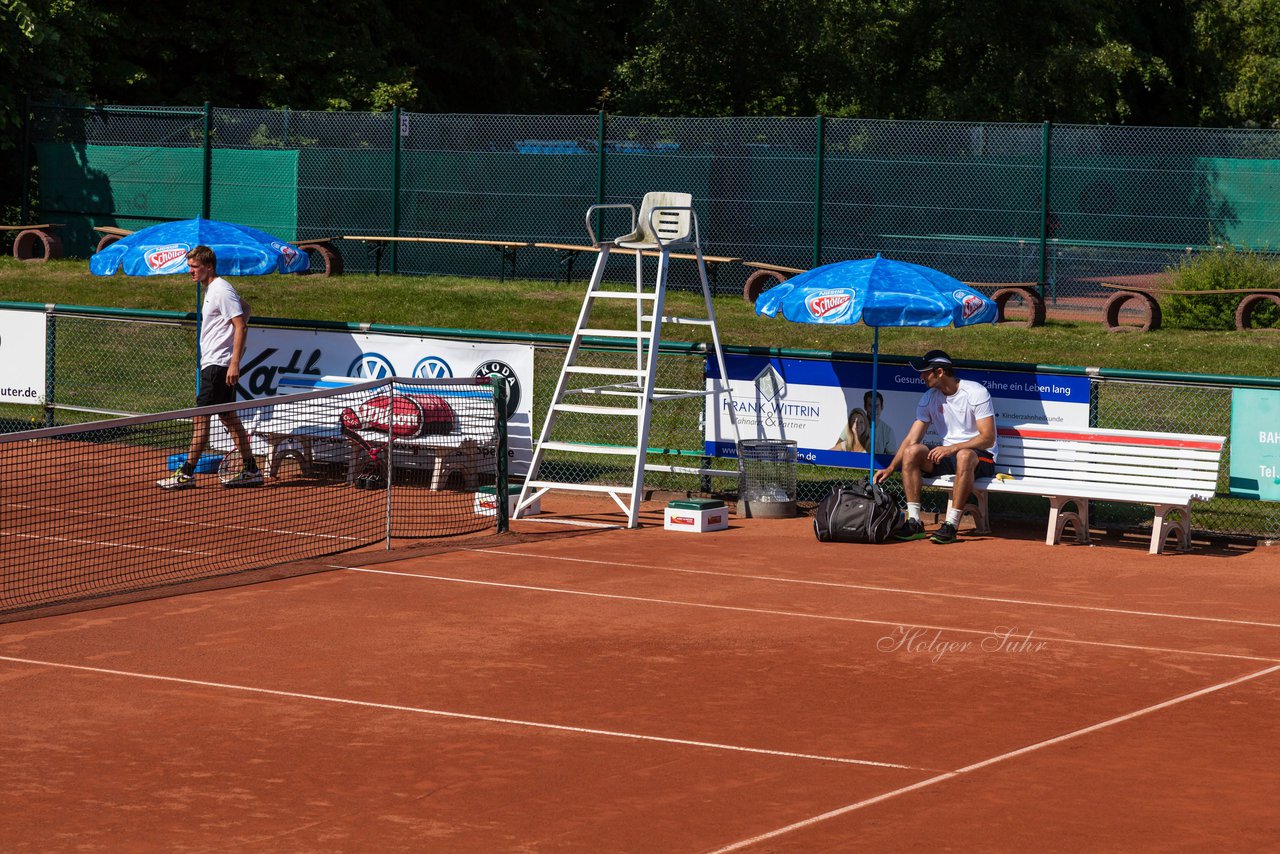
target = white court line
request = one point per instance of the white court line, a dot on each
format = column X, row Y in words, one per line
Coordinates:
column 802, row 614
column 106, row 543
column 845, row 810
column 187, row 522
column 882, row 589
column 459, row 715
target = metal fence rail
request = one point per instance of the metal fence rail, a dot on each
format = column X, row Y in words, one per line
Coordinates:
column 94, row 369
column 1064, row 206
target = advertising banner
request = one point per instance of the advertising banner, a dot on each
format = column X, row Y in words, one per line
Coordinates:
column 1255, row 443
column 272, row 354
column 823, row 406
column 22, row 357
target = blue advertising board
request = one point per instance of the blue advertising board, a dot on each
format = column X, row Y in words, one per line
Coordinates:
column 823, row 406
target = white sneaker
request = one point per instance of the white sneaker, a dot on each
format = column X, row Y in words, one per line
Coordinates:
column 178, row 480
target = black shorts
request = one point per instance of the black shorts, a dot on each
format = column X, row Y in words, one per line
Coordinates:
column 213, row 386
column 986, row 465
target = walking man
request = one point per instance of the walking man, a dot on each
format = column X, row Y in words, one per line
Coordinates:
column 224, row 330
column 960, row 411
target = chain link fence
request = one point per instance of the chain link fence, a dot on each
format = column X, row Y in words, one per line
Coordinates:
column 97, row 371
column 1066, row 207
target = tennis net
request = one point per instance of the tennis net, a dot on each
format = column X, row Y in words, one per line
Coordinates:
column 83, row 515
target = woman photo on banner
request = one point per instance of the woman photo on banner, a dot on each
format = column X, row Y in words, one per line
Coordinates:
column 856, row 434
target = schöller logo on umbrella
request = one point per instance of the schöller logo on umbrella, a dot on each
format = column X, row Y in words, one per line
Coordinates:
column 969, row 303
column 165, row 256
column 829, row 303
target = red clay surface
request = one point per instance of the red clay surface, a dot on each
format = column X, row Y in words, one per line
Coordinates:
column 645, row 690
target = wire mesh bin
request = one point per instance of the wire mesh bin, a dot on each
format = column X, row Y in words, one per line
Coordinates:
column 768, row 478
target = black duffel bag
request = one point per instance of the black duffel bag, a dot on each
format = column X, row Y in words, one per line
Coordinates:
column 861, row 513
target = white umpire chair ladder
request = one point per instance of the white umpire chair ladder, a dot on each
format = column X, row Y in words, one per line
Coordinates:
column 615, row 395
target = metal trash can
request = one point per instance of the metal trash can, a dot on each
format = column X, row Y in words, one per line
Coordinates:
column 768, row 478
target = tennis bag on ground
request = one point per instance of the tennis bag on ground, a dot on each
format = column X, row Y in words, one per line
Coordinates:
column 861, row 513
column 409, row 415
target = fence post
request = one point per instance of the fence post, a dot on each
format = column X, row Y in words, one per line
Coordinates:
column 395, row 181
column 50, row 361
column 819, row 160
column 206, row 200
column 1045, row 136
column 26, row 160
column 601, row 127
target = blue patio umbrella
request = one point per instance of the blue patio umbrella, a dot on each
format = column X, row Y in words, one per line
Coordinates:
column 878, row 292
column 161, row 250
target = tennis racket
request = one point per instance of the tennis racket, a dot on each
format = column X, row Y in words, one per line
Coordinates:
column 231, row 472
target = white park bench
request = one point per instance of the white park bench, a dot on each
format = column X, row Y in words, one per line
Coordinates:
column 1072, row 466
column 309, row 434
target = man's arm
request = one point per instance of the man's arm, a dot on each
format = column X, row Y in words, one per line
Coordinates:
column 914, row 437
column 241, row 334
column 985, row 439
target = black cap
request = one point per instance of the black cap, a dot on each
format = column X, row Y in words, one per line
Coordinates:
column 932, row 359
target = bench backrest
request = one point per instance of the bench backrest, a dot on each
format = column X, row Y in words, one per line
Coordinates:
column 1120, row 458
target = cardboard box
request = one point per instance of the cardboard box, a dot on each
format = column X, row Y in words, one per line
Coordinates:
column 696, row 515
column 485, row 505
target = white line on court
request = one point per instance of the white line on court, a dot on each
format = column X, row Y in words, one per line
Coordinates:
column 132, row 546
column 882, row 589
column 458, row 715
column 801, row 614
column 809, row 822
column 187, row 522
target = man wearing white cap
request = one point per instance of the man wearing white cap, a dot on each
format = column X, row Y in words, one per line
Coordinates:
column 961, row 412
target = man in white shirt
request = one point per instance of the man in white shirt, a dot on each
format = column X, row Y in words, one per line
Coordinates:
column 224, row 330
column 960, row 411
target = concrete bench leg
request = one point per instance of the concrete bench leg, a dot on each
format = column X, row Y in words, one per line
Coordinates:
column 1170, row 518
column 1060, row 517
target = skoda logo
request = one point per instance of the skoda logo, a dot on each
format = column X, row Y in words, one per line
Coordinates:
column 371, row 366
column 502, row 369
column 432, row 368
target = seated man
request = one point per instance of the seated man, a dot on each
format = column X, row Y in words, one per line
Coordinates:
column 961, row 412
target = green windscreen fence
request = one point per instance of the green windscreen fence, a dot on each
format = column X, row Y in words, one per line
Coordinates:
column 136, row 186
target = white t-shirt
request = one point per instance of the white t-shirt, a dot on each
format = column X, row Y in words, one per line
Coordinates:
column 221, row 303
column 956, row 416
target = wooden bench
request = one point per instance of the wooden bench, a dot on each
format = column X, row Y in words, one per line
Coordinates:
column 311, row 433
column 567, row 253
column 506, row 248
column 1073, row 466
column 1145, row 291
column 110, row 234
column 33, row 237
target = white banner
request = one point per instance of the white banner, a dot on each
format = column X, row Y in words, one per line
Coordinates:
column 22, row 356
column 272, row 354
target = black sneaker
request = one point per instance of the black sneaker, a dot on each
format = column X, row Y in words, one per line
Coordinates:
column 911, row 529
column 945, row 534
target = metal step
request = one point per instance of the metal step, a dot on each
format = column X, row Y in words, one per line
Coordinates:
column 581, row 448
column 597, row 410
column 649, row 295
column 605, row 372
column 585, row 487
column 613, row 333
column 687, row 321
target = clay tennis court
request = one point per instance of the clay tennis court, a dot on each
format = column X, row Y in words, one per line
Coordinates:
column 645, row 690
